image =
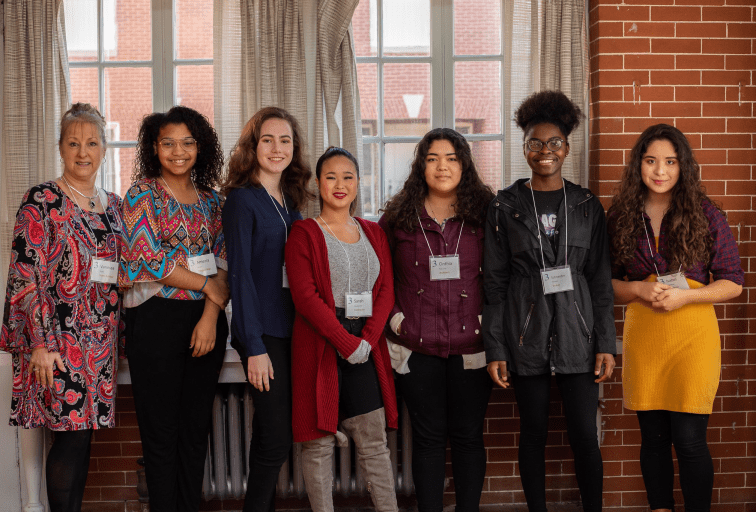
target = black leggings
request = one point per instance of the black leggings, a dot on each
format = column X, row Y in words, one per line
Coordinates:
column 659, row 431
column 580, row 398
column 67, row 468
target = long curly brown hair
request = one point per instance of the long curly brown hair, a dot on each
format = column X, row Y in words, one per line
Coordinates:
column 244, row 169
column 473, row 195
column 689, row 241
column 208, row 168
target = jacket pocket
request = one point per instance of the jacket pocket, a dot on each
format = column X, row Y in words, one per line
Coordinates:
column 582, row 323
column 527, row 322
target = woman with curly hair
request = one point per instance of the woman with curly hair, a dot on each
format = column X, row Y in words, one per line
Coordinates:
column 435, row 230
column 173, row 267
column 548, row 292
column 266, row 188
column 667, row 241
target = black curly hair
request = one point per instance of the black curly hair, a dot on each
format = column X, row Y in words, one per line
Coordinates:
column 473, row 195
column 551, row 107
column 207, row 171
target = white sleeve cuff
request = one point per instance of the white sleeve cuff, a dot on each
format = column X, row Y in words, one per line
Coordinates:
column 396, row 322
column 399, row 357
column 361, row 355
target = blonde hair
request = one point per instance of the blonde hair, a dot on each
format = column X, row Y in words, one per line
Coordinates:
column 82, row 113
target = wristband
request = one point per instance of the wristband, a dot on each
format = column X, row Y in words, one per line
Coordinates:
column 203, row 285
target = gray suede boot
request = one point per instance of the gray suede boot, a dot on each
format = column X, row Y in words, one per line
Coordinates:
column 369, row 434
column 317, row 469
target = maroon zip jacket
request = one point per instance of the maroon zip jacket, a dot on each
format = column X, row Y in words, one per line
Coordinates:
column 440, row 317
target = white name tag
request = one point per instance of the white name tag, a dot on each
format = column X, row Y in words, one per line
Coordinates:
column 285, row 283
column 203, row 265
column 359, row 304
column 104, row 271
column 556, row 279
column 443, row 268
column 676, row 280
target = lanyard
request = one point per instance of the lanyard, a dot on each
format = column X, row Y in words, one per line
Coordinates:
column 349, row 263
column 456, row 251
column 84, row 221
column 538, row 225
column 181, row 207
column 286, row 227
column 648, row 240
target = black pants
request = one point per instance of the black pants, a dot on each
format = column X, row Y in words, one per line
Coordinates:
column 271, row 427
column 67, row 468
column 580, row 398
column 173, row 397
column 445, row 401
column 659, row 431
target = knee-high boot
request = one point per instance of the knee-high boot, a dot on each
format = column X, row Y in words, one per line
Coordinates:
column 317, row 469
column 369, row 434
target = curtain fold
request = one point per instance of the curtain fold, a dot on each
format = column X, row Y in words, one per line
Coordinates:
column 36, row 91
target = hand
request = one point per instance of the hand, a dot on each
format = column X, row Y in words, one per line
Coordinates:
column 216, row 290
column 399, row 329
column 671, row 299
column 259, row 370
column 203, row 336
column 498, row 372
column 650, row 292
column 607, row 361
column 43, row 363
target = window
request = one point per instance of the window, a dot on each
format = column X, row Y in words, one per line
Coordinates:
column 130, row 58
column 437, row 63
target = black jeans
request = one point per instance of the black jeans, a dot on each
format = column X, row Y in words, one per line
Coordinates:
column 173, row 397
column 445, row 401
column 271, row 427
column 580, row 398
column 659, row 431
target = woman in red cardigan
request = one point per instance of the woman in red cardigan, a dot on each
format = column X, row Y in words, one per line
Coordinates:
column 342, row 284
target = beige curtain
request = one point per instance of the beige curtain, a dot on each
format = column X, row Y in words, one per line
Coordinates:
column 35, row 91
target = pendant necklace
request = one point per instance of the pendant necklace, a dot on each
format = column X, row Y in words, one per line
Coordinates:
column 91, row 198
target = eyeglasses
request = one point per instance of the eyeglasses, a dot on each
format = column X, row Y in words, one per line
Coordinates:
column 186, row 144
column 554, row 144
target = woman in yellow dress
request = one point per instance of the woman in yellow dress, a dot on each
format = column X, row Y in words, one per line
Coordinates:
column 673, row 257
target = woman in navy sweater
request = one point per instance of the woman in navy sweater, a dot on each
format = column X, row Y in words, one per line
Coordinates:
column 266, row 187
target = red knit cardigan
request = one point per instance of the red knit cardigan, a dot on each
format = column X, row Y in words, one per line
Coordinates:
column 318, row 334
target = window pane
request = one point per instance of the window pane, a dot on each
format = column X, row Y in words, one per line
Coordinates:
column 84, row 86
column 367, row 82
column 81, row 29
column 365, row 29
column 115, row 172
column 128, row 98
column 370, row 184
column 194, row 29
column 477, row 27
column 406, row 99
column 406, row 27
column 477, row 97
column 194, row 88
column 396, row 167
column 487, row 157
column 128, row 29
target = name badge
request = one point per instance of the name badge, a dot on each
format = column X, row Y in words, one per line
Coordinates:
column 285, row 283
column 676, row 280
column 359, row 304
column 203, row 265
column 444, row 268
column 103, row 271
column 556, row 279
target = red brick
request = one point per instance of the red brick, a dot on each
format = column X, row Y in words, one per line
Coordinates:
column 726, row 46
column 649, row 61
column 606, row 29
column 700, row 62
column 623, row 13
column 649, row 29
column 610, row 77
column 701, row 30
column 700, row 125
column 746, row 62
column 609, row 61
column 621, row 45
column 103, row 479
column 742, row 156
column 677, row 109
column 667, row 77
column 725, row 77
column 118, row 493
column 741, row 126
column 728, row 13
column 746, row 30
column 675, row 14
column 675, row 45
column 683, row 93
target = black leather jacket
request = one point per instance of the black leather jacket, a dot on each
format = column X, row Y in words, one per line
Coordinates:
column 536, row 333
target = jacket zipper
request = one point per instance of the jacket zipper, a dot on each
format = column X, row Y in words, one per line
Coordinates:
column 585, row 326
column 527, row 321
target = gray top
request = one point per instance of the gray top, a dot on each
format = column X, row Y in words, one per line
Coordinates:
column 340, row 266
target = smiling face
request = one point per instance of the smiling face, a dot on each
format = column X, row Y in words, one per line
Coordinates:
column 546, row 163
column 660, row 169
column 176, row 160
column 338, row 183
column 443, row 170
column 275, row 147
column 82, row 150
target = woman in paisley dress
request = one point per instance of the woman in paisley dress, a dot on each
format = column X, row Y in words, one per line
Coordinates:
column 62, row 307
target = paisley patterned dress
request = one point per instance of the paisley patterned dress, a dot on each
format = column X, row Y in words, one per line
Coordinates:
column 51, row 302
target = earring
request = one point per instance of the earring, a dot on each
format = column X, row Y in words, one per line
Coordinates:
column 104, row 161
column 61, row 160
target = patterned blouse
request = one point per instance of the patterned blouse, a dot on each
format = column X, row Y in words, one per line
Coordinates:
column 160, row 233
column 51, row 302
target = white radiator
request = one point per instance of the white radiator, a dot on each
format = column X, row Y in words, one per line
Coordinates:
column 226, row 466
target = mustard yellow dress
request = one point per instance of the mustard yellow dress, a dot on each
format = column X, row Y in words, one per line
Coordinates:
column 671, row 360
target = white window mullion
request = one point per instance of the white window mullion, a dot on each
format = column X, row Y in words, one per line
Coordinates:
column 162, row 61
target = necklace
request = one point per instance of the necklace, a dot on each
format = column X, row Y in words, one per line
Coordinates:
column 433, row 214
column 91, row 198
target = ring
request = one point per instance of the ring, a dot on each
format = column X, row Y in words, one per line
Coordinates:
column 35, row 369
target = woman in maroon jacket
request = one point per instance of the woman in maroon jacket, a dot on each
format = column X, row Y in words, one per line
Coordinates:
column 435, row 230
column 341, row 281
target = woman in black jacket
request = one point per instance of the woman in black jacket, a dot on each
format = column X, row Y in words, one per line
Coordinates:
column 548, row 298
